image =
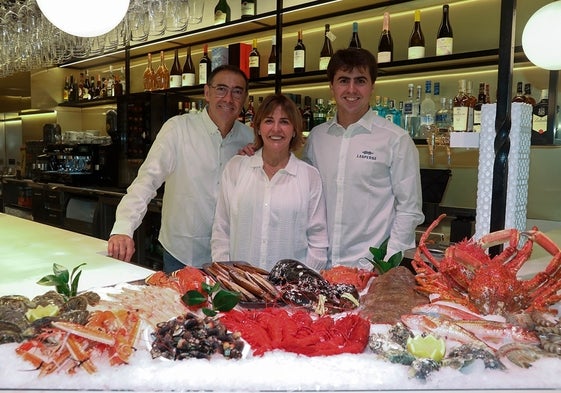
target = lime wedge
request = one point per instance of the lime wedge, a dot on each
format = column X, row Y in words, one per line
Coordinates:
column 427, row 346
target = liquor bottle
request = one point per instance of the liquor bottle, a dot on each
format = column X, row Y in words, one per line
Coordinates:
column 299, row 54
column 392, row 114
column 528, row 95
column 222, row 12
column 65, row 89
column 249, row 113
column 355, row 40
column 110, row 81
column 272, row 62
column 481, row 99
column 327, row 49
column 319, row 113
column 249, row 8
column 385, row 45
column 445, row 38
column 162, row 74
column 519, row 97
column 205, row 66
column 254, row 60
column 81, row 86
column 443, row 116
column 378, row 108
column 307, row 115
column 410, row 115
column 117, row 87
column 462, row 113
column 175, row 72
column 188, row 72
column 540, row 134
column 472, row 100
column 148, row 77
column 94, row 93
column 416, row 49
column 428, row 111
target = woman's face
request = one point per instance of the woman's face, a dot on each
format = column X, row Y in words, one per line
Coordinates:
column 276, row 130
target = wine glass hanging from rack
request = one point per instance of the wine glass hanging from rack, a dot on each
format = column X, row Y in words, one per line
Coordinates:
column 28, row 41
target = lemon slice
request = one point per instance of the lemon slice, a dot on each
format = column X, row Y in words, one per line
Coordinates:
column 41, row 311
column 427, row 346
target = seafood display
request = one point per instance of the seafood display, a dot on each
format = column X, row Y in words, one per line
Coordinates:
column 390, row 296
column 304, row 287
column 22, row 318
column 182, row 280
column 250, row 281
column 341, row 274
column 469, row 276
column 67, row 347
column 190, row 336
column 298, row 332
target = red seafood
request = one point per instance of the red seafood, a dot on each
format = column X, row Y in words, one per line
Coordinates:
column 348, row 275
column 182, row 280
column 488, row 285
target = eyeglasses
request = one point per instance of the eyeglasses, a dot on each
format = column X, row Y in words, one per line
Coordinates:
column 222, row 90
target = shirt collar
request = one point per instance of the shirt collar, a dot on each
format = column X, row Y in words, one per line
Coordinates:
column 256, row 161
column 362, row 126
column 210, row 126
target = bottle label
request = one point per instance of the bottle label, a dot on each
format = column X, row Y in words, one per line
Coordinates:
column 175, row 81
column 384, row 57
column 408, row 108
column 202, row 74
column 460, row 118
column 476, row 121
column 271, row 69
column 248, row 8
column 539, row 123
column 415, row 52
column 299, row 58
column 219, row 17
column 188, row 79
column 253, row 61
column 444, row 46
column 323, row 62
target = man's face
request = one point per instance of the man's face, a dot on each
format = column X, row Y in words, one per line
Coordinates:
column 352, row 90
column 226, row 95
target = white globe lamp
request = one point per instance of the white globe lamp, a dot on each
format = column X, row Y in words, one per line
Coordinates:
column 541, row 37
column 104, row 15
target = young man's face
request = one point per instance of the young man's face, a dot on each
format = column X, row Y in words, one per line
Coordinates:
column 352, row 90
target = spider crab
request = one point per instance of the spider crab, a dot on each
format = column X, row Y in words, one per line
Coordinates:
column 488, row 285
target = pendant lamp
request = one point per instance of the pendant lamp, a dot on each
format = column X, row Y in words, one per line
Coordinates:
column 541, row 37
column 84, row 18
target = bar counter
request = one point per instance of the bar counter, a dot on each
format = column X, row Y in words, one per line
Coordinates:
column 28, row 249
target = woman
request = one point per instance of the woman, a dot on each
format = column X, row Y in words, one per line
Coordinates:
column 271, row 204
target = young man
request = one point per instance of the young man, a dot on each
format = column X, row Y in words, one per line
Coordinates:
column 369, row 167
column 188, row 154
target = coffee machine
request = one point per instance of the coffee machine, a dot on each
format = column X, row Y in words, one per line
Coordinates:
column 79, row 164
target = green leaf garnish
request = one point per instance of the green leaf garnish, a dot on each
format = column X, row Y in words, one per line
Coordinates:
column 378, row 254
column 220, row 299
column 65, row 283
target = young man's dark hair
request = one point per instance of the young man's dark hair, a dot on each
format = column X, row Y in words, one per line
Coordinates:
column 347, row 59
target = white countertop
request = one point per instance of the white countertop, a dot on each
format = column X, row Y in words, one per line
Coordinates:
column 29, row 249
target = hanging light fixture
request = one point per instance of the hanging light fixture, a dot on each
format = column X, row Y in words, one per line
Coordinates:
column 105, row 15
column 540, row 38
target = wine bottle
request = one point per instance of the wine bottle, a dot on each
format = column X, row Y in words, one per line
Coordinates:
column 175, row 72
column 205, row 66
column 148, row 77
column 444, row 38
column 222, row 12
column 355, row 40
column 299, row 54
column 326, row 50
column 249, row 8
column 254, row 60
column 249, row 113
column 66, row 89
column 385, row 46
column 188, row 72
column 481, row 99
column 528, row 94
column 272, row 62
column 162, row 74
column 416, row 49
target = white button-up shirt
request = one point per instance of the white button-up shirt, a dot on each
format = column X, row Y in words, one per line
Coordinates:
column 189, row 155
column 372, row 187
column 261, row 221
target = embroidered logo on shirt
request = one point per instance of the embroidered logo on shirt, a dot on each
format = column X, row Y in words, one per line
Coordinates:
column 367, row 155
